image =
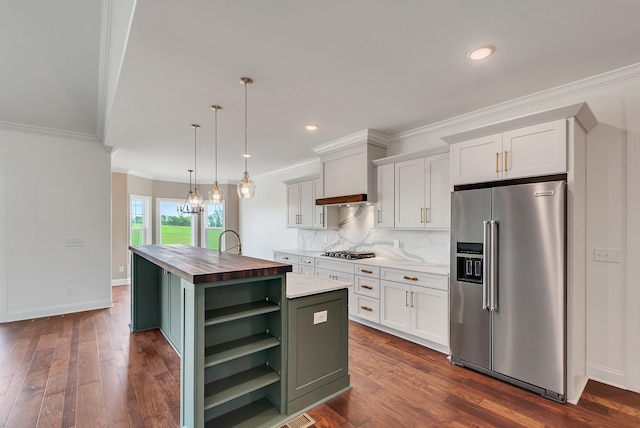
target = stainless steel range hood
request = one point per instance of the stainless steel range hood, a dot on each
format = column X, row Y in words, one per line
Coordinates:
column 347, row 173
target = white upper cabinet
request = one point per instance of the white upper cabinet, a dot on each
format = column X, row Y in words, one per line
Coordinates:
column 422, row 198
column 524, row 152
column 302, row 211
column 300, row 204
column 535, row 150
column 384, row 215
column 411, row 193
column 477, row 160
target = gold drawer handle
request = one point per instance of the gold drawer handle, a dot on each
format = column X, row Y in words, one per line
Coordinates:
column 497, row 162
column 411, row 278
column 505, row 160
column 366, row 271
column 366, row 308
column 368, row 287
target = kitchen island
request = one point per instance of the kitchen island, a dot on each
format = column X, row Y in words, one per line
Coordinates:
column 227, row 316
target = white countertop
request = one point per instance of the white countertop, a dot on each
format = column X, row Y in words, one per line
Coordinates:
column 378, row 261
column 300, row 285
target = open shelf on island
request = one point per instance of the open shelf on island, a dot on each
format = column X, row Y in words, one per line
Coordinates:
column 230, row 313
column 257, row 414
column 228, row 388
column 227, row 351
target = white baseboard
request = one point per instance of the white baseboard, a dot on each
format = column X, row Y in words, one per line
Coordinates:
column 58, row 310
column 121, row 281
column 606, row 375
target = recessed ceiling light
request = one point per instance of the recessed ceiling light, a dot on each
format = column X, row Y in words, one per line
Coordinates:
column 480, row 53
column 311, row 126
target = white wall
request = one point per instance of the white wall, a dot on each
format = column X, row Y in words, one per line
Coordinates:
column 263, row 219
column 57, row 187
column 609, row 310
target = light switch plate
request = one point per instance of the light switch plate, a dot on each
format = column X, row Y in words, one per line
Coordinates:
column 319, row 317
column 607, row 255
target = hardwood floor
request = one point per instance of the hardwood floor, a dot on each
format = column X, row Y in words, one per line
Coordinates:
column 86, row 370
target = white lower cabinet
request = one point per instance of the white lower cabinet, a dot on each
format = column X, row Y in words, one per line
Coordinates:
column 415, row 303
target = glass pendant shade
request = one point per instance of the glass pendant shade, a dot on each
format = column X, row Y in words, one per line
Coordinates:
column 246, row 187
column 195, row 200
column 216, row 195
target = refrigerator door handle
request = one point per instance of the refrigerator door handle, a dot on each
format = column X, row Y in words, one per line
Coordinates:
column 486, row 242
column 493, row 237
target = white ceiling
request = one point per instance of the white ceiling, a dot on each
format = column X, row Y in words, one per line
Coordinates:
column 349, row 65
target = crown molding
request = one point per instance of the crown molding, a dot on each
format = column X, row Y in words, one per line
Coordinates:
column 302, row 164
column 49, row 131
column 366, row 136
column 500, row 111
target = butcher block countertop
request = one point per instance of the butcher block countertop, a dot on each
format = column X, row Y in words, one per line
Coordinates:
column 200, row 265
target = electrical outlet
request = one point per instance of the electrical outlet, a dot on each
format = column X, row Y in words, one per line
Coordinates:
column 120, row 269
column 607, row 255
column 74, row 242
column 396, row 243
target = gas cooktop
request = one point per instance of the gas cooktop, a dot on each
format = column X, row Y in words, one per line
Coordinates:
column 351, row 255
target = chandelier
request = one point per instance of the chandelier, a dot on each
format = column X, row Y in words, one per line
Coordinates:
column 193, row 202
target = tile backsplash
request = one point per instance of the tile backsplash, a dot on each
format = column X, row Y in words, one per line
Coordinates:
column 356, row 233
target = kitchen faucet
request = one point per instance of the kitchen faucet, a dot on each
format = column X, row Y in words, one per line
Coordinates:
column 239, row 243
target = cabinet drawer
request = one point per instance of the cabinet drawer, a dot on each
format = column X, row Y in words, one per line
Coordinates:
column 367, row 270
column 338, row 276
column 335, row 265
column 306, row 261
column 367, row 286
column 285, row 258
column 367, row 308
column 415, row 278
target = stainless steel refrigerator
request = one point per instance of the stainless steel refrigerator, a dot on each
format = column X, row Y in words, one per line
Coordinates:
column 508, row 284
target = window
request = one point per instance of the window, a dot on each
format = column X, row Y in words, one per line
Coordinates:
column 140, row 220
column 212, row 224
column 173, row 228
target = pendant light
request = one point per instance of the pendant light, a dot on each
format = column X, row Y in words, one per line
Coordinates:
column 216, row 195
column 246, row 187
column 193, row 203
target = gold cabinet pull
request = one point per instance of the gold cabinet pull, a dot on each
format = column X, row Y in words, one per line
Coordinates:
column 421, row 216
column 368, row 287
column 321, row 219
column 406, row 298
column 426, row 217
column 505, row 160
column 412, row 299
column 379, row 214
column 366, row 271
column 411, row 278
column 497, row 162
column 366, row 308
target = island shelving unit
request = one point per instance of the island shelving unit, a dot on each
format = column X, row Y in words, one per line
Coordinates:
column 233, row 336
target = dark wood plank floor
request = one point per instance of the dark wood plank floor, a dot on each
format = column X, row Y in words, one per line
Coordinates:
column 87, row 370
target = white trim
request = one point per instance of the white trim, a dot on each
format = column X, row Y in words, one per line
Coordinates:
column 606, row 375
column 293, row 167
column 49, row 131
column 525, row 103
column 59, row 310
column 122, row 281
column 103, row 67
column 366, row 136
column 578, row 390
column 632, row 107
column 4, row 253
